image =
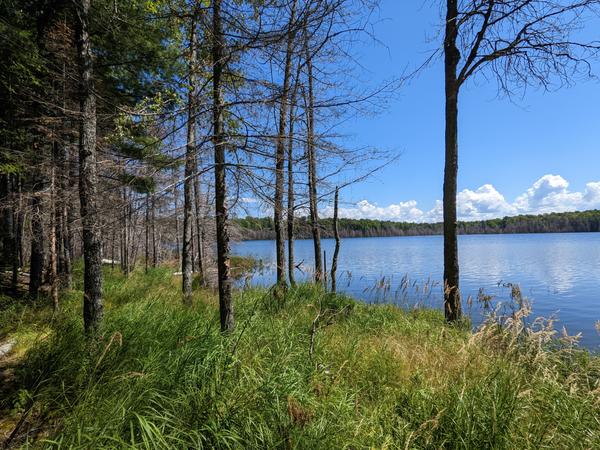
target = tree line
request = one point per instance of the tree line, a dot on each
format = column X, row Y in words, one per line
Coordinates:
column 256, row 228
column 130, row 130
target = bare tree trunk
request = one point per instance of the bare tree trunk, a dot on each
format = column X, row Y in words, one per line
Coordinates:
column 92, row 279
column 336, row 235
column 177, row 242
column 65, row 261
column 15, row 238
column 290, row 198
column 112, row 250
column 199, row 227
column 71, row 215
column 312, row 169
column 19, row 223
column 280, row 153
column 223, row 263
column 53, row 242
column 452, row 305
column 36, row 269
column 190, row 163
column 147, row 234
column 7, row 218
column 125, row 225
column 153, row 215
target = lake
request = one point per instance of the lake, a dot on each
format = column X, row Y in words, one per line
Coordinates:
column 558, row 273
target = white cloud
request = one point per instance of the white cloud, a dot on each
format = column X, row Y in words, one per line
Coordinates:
column 403, row 211
column 548, row 194
column 483, row 203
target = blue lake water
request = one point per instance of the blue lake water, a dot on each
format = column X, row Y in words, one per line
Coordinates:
column 558, row 273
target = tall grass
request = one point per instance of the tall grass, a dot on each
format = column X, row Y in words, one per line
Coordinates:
column 163, row 376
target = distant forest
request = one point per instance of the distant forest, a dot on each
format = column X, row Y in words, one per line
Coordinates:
column 251, row 228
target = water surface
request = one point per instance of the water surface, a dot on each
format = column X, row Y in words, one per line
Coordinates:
column 558, row 273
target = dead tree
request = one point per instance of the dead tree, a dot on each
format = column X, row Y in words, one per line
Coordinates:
column 312, row 167
column 290, row 176
column 280, row 151
column 520, row 43
column 336, row 234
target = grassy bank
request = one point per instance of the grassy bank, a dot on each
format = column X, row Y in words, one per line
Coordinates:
column 163, row 376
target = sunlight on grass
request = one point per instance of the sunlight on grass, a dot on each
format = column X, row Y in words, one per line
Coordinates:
column 163, row 376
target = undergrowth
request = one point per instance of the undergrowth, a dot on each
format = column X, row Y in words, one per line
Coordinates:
column 163, row 376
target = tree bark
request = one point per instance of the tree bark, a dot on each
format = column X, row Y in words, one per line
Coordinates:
column 223, row 263
column 312, row 169
column 290, row 174
column 53, row 263
column 36, row 269
column 147, row 234
column 280, row 153
column 190, row 162
column 6, row 229
column 336, row 234
column 153, row 218
column 125, row 227
column 92, row 279
column 71, row 213
column 199, row 226
column 177, row 242
column 452, row 304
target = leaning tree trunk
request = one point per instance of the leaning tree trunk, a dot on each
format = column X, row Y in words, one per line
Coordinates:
column 312, row 169
column 92, row 257
column 225, row 300
column 452, row 305
column 280, row 153
column 190, row 162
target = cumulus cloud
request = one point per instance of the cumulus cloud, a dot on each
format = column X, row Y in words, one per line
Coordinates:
column 548, row 194
column 483, row 203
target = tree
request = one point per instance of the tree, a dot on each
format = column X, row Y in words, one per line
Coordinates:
column 219, row 143
column 88, row 178
column 190, row 165
column 280, row 150
column 312, row 166
column 520, row 43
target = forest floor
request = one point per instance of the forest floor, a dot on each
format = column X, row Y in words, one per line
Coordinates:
column 305, row 370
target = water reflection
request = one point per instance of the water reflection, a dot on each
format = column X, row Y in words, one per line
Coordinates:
column 559, row 273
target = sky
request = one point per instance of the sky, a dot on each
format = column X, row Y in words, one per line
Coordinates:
column 533, row 154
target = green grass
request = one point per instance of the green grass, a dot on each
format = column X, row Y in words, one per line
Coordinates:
column 163, row 376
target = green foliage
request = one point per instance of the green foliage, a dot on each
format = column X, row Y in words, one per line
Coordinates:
column 577, row 221
column 163, row 376
column 140, row 184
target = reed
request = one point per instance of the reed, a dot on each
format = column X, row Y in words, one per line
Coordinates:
column 378, row 376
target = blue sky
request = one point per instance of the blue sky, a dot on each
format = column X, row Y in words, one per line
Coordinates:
column 505, row 146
